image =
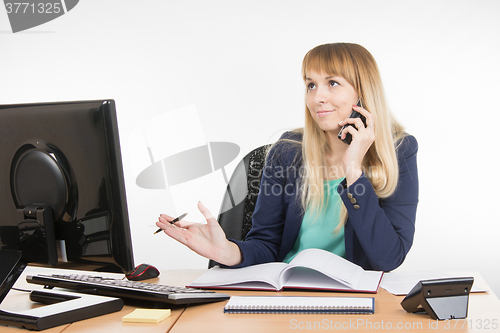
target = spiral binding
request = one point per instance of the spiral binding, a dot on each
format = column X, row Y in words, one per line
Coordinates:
column 321, row 309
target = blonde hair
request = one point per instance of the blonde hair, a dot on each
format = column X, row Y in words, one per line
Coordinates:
column 356, row 65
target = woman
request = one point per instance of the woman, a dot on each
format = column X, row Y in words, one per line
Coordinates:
column 357, row 200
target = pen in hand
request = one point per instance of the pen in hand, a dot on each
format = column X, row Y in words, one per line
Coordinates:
column 172, row 222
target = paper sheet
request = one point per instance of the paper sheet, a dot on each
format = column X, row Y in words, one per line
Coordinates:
column 400, row 283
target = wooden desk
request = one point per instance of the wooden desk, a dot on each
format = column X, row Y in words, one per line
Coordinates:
column 484, row 311
column 484, row 314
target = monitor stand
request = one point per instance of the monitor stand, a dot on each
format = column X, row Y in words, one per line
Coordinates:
column 64, row 307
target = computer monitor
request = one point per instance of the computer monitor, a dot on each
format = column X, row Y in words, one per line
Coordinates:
column 62, row 192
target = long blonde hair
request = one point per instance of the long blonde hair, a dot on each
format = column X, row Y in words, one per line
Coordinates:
column 355, row 64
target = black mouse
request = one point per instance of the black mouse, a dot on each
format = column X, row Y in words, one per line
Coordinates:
column 143, row 272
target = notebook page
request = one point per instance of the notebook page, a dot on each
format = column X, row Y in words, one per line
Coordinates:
column 242, row 277
column 332, row 265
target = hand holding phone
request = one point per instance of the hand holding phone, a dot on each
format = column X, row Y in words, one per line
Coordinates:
column 354, row 114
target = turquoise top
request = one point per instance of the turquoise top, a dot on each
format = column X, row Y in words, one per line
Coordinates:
column 316, row 231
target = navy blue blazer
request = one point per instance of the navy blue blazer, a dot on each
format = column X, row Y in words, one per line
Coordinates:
column 378, row 232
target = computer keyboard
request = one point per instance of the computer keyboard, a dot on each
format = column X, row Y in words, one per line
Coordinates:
column 100, row 285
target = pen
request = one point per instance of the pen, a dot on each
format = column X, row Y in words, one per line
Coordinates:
column 172, row 222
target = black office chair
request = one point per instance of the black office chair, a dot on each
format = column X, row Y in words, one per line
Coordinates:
column 238, row 204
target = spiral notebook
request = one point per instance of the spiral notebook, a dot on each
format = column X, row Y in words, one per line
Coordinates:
column 300, row 304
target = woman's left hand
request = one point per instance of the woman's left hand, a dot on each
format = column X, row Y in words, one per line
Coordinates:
column 362, row 139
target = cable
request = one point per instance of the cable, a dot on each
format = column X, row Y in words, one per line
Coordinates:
column 23, row 290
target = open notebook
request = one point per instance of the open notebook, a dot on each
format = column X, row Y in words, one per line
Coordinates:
column 310, row 269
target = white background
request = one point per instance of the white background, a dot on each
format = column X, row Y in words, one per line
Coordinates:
column 238, row 63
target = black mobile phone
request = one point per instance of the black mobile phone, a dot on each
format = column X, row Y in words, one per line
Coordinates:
column 354, row 114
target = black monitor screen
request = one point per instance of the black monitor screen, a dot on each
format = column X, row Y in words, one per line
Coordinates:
column 62, row 193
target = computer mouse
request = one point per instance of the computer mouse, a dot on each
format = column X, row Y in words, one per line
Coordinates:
column 143, row 272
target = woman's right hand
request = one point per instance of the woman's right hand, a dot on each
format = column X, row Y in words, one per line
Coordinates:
column 208, row 240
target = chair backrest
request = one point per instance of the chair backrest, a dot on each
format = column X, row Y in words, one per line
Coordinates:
column 238, row 204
